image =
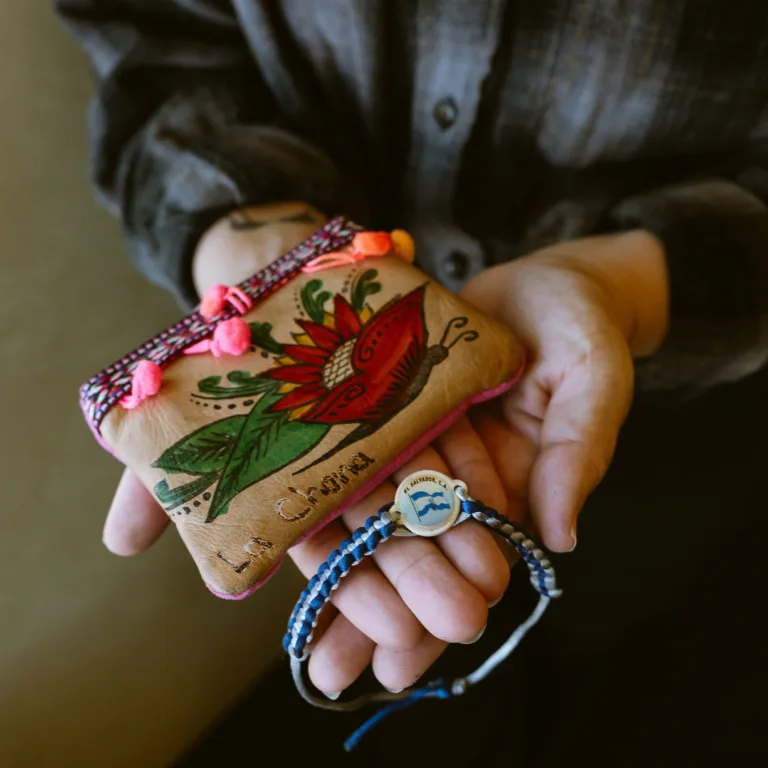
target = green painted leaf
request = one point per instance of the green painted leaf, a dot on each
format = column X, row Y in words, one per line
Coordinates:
column 173, row 497
column 244, row 384
column 364, row 286
column 205, row 450
column 261, row 336
column 245, row 378
column 313, row 299
column 267, row 442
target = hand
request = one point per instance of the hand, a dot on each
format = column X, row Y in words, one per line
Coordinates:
column 229, row 252
column 583, row 310
column 233, row 249
column 400, row 612
column 400, row 608
column 250, row 239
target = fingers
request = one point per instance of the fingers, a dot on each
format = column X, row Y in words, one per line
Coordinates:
column 396, row 670
column 578, row 438
column 511, row 450
column 340, row 656
column 343, row 653
column 135, row 520
column 445, row 588
column 475, row 553
column 473, row 550
column 441, row 598
column 467, row 459
column 365, row 597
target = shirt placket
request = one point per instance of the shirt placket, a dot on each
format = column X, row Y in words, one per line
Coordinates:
column 453, row 57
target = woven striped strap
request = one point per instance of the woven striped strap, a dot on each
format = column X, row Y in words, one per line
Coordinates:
column 363, row 542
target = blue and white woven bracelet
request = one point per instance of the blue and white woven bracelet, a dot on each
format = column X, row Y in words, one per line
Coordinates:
column 426, row 504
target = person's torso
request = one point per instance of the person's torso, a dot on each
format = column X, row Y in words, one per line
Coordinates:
column 491, row 127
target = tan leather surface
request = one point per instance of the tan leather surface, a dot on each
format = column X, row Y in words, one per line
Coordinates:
column 237, row 549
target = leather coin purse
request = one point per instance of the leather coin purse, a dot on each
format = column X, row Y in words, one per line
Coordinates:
column 258, row 418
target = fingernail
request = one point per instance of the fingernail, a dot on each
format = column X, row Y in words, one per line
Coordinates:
column 394, row 690
column 492, row 603
column 573, row 536
column 333, row 696
column 475, row 638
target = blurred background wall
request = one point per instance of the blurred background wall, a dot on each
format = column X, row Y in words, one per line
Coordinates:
column 103, row 661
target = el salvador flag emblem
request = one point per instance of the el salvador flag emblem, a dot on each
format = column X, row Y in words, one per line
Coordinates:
column 424, row 503
column 427, row 503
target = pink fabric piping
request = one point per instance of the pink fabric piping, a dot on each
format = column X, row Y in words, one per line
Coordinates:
column 434, row 431
column 99, row 439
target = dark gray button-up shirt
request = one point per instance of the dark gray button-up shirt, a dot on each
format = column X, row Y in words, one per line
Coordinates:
column 488, row 128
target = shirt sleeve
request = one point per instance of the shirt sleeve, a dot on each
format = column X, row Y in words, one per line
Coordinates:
column 715, row 235
column 183, row 129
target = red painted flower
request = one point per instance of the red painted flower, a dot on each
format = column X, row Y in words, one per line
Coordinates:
column 354, row 371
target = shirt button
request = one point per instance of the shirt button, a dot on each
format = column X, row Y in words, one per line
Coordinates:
column 456, row 265
column 446, row 112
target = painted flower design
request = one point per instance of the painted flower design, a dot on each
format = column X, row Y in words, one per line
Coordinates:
column 349, row 364
column 347, row 370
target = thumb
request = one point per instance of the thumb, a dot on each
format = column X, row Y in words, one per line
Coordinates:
column 578, row 438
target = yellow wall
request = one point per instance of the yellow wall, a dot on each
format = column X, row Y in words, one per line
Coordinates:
column 103, row 661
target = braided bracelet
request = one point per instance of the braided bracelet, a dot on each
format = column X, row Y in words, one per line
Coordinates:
column 426, row 504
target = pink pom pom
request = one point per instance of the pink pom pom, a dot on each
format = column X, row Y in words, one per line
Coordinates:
column 146, row 382
column 233, row 337
column 148, row 377
column 213, row 301
column 218, row 296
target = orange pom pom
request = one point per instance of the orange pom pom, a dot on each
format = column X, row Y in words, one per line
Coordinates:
column 372, row 243
column 403, row 245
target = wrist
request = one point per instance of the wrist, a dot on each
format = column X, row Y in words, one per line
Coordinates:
column 249, row 239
